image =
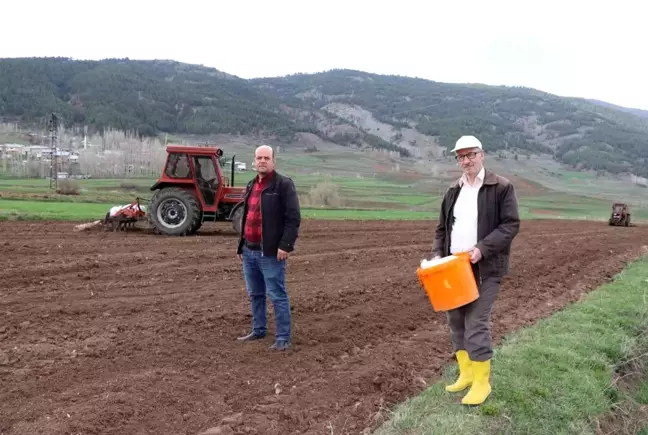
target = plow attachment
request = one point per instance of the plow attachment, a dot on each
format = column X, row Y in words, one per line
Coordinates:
column 118, row 218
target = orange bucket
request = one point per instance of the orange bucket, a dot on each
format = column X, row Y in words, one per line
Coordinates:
column 449, row 282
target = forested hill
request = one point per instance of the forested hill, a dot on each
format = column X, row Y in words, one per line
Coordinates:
column 148, row 96
column 413, row 117
column 639, row 112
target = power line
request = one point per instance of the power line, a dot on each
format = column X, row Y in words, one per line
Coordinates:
column 53, row 128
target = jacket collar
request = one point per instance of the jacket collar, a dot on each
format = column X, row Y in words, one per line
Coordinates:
column 268, row 180
column 265, row 180
column 490, row 178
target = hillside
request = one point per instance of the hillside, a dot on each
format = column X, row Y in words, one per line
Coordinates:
column 148, row 96
column 638, row 112
column 411, row 117
column 518, row 120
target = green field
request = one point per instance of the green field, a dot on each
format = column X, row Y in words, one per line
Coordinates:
column 340, row 182
column 83, row 211
column 343, row 197
column 550, row 174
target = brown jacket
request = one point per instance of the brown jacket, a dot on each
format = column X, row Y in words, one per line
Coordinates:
column 498, row 223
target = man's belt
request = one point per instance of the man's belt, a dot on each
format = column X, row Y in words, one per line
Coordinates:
column 253, row 246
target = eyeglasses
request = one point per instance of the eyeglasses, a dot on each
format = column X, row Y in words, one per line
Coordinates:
column 471, row 156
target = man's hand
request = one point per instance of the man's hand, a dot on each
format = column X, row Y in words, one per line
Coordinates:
column 436, row 257
column 475, row 255
column 281, row 255
column 240, row 257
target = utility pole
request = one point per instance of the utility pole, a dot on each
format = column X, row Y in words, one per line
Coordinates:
column 53, row 128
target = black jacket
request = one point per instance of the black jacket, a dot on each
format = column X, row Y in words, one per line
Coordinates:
column 498, row 223
column 280, row 215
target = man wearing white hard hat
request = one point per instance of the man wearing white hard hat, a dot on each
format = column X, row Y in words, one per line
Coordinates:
column 479, row 214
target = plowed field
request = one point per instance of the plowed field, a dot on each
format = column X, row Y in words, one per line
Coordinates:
column 113, row 333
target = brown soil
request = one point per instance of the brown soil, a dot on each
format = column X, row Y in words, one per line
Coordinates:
column 523, row 187
column 113, row 333
column 526, row 187
column 9, row 194
column 629, row 416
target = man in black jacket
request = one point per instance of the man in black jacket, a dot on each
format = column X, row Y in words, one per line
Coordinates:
column 479, row 214
column 270, row 223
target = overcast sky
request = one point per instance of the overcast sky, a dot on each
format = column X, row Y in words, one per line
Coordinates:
column 566, row 47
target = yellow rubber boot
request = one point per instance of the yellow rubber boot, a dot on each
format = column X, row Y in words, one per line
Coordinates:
column 481, row 388
column 465, row 373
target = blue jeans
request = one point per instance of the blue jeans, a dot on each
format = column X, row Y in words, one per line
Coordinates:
column 267, row 275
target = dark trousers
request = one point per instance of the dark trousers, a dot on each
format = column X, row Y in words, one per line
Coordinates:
column 470, row 325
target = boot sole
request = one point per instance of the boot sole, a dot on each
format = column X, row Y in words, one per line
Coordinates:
column 455, row 390
column 480, row 403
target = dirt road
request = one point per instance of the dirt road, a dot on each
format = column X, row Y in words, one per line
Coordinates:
column 105, row 333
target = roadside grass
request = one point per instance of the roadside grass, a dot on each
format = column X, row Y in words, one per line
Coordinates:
column 558, row 376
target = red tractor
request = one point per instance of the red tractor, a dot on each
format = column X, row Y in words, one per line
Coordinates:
column 620, row 215
column 193, row 190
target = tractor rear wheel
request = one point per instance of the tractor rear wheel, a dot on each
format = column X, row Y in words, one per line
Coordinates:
column 237, row 220
column 175, row 212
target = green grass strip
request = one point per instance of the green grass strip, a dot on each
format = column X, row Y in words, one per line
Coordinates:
column 44, row 210
column 555, row 377
column 74, row 211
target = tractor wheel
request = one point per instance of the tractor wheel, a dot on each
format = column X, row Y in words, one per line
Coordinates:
column 175, row 212
column 195, row 230
column 237, row 220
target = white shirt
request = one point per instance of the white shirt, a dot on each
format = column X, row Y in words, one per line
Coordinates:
column 464, row 229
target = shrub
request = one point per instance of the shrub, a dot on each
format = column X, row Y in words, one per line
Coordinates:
column 68, row 187
column 125, row 185
column 326, row 194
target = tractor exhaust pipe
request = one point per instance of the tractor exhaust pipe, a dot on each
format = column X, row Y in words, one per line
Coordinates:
column 233, row 160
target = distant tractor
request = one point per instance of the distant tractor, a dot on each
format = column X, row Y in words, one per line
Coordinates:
column 620, row 214
column 191, row 190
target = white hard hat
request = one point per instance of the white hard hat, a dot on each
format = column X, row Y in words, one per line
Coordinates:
column 465, row 142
